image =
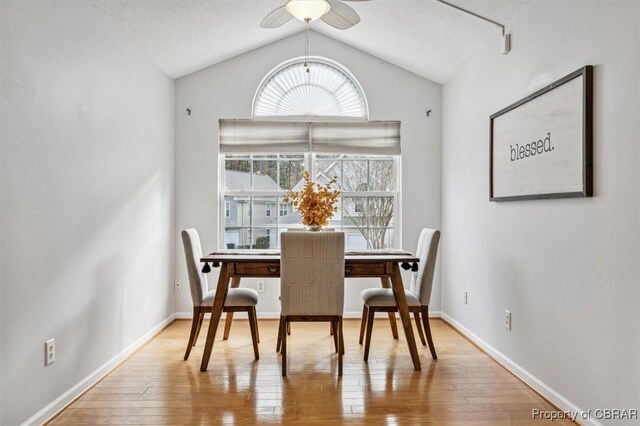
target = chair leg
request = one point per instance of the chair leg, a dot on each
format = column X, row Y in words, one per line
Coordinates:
column 253, row 325
column 341, row 350
column 392, row 323
column 330, row 329
column 227, row 325
column 386, row 283
column 334, row 332
column 367, row 343
column 200, row 321
column 257, row 328
column 363, row 324
column 279, row 341
column 289, row 328
column 427, row 330
column 194, row 327
column 416, row 315
column 285, row 323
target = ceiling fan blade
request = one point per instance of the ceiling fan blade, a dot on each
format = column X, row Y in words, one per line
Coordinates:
column 340, row 15
column 277, row 18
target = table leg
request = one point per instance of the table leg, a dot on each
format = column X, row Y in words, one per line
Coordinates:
column 392, row 315
column 216, row 312
column 235, row 283
column 403, row 310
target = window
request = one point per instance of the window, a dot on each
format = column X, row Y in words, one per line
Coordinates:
column 369, row 200
column 258, row 182
column 263, row 159
column 367, row 212
column 328, row 90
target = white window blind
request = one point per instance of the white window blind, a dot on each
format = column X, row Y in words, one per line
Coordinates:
column 370, row 137
column 329, row 90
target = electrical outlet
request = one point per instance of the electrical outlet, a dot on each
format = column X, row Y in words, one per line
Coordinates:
column 507, row 319
column 49, row 352
column 466, row 297
column 260, row 286
column 178, row 287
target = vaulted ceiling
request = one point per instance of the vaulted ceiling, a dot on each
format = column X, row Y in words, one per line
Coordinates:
column 422, row 36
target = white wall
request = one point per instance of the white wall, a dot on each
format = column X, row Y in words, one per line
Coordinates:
column 87, row 182
column 568, row 269
column 226, row 90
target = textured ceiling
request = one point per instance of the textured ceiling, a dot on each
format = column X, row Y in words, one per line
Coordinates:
column 422, row 36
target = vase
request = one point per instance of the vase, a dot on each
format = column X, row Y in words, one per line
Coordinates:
column 314, row 228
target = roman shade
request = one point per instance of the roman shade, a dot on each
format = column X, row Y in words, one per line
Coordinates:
column 338, row 137
column 241, row 136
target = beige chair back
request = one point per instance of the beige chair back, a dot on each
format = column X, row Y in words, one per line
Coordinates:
column 193, row 254
column 427, row 252
column 312, row 273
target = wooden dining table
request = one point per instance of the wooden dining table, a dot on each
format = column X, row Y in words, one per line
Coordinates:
column 237, row 264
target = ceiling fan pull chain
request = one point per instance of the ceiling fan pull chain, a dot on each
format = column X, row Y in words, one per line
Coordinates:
column 306, row 46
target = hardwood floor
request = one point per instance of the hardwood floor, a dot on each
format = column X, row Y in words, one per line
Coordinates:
column 155, row 386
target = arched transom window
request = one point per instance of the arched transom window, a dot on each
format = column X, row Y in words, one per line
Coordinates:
column 328, row 91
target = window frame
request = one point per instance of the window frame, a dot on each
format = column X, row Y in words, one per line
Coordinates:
column 283, row 210
column 309, row 163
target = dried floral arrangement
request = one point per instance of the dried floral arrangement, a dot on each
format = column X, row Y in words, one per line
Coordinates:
column 316, row 202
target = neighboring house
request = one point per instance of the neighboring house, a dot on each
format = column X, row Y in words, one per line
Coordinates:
column 254, row 223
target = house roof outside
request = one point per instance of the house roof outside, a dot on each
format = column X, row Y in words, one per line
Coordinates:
column 241, row 181
column 235, row 180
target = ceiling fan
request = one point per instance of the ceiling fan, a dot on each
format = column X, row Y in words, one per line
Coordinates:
column 332, row 12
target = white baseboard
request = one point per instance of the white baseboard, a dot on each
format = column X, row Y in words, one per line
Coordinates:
column 82, row 386
column 63, row 400
column 543, row 389
column 546, row 391
column 276, row 315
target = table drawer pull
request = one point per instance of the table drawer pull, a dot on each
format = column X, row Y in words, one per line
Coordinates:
column 273, row 269
column 348, row 269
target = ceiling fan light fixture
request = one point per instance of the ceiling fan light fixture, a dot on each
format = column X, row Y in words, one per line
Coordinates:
column 308, row 10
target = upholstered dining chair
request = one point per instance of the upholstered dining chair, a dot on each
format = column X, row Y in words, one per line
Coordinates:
column 383, row 300
column 312, row 284
column 279, row 342
column 238, row 299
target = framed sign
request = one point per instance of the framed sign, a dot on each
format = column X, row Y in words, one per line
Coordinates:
column 541, row 146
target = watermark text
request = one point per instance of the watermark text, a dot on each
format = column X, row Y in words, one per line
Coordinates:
column 596, row 413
